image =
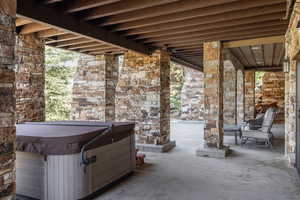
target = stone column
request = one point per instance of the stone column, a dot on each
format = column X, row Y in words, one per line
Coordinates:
column 229, row 98
column 192, row 98
column 7, row 99
column 30, row 78
column 143, row 96
column 249, row 95
column 213, row 101
column 240, row 100
column 94, row 88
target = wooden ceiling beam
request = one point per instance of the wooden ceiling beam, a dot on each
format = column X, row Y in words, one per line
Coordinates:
column 22, row 21
column 79, row 5
column 255, row 41
column 163, row 10
column 267, row 19
column 261, row 26
column 221, row 36
column 265, row 68
column 33, row 28
column 211, row 19
column 105, row 51
column 199, row 12
column 57, row 18
column 72, row 42
column 85, row 45
column 63, row 38
column 185, row 62
column 52, row 1
column 50, row 33
column 123, row 6
column 225, row 39
column 100, row 48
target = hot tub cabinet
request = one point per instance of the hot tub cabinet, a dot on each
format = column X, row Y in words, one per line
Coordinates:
column 72, row 160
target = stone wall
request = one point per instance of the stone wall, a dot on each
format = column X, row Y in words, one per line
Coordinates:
column 94, row 88
column 249, row 94
column 192, row 97
column 30, row 78
column 272, row 91
column 143, row 96
column 213, row 94
column 229, row 97
column 240, row 99
column 7, row 99
column 292, row 45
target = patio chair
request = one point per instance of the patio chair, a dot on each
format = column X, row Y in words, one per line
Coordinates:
column 256, row 123
column 264, row 133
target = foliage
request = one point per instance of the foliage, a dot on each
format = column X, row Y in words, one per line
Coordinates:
column 258, row 78
column 60, row 66
column 177, row 76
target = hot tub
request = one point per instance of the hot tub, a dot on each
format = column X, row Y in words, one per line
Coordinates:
column 70, row 160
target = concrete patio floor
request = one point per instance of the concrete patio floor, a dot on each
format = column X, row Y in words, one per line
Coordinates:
column 250, row 173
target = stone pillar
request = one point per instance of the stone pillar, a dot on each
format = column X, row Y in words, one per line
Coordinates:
column 249, row 95
column 30, row 78
column 240, row 97
column 273, row 93
column 94, row 88
column 143, row 96
column 7, row 99
column 213, row 101
column 192, row 97
column 230, row 90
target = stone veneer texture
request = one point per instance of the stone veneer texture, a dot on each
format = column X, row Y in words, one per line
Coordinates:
column 192, row 97
column 229, row 98
column 94, row 88
column 213, row 94
column 7, row 99
column 240, row 96
column 273, row 91
column 143, row 96
column 249, row 94
column 292, row 47
column 30, row 78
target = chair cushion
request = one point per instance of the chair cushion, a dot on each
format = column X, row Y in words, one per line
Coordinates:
column 256, row 134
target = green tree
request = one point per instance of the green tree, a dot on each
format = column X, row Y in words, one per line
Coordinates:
column 59, row 73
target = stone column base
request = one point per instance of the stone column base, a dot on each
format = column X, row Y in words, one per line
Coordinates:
column 156, row 148
column 212, row 152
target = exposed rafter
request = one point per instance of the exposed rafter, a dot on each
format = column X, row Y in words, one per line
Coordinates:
column 54, row 18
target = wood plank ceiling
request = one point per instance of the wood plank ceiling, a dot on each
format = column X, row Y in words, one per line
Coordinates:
column 180, row 26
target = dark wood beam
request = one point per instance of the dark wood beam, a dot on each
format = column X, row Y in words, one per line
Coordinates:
column 265, row 68
column 162, row 10
column 186, row 63
column 187, row 44
column 73, row 42
column 53, row 17
column 78, row 5
column 123, row 6
column 222, row 36
column 266, row 19
column 224, row 17
column 130, row 23
column 225, row 31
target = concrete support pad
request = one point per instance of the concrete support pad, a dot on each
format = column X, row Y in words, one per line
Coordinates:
column 156, row 148
column 213, row 152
